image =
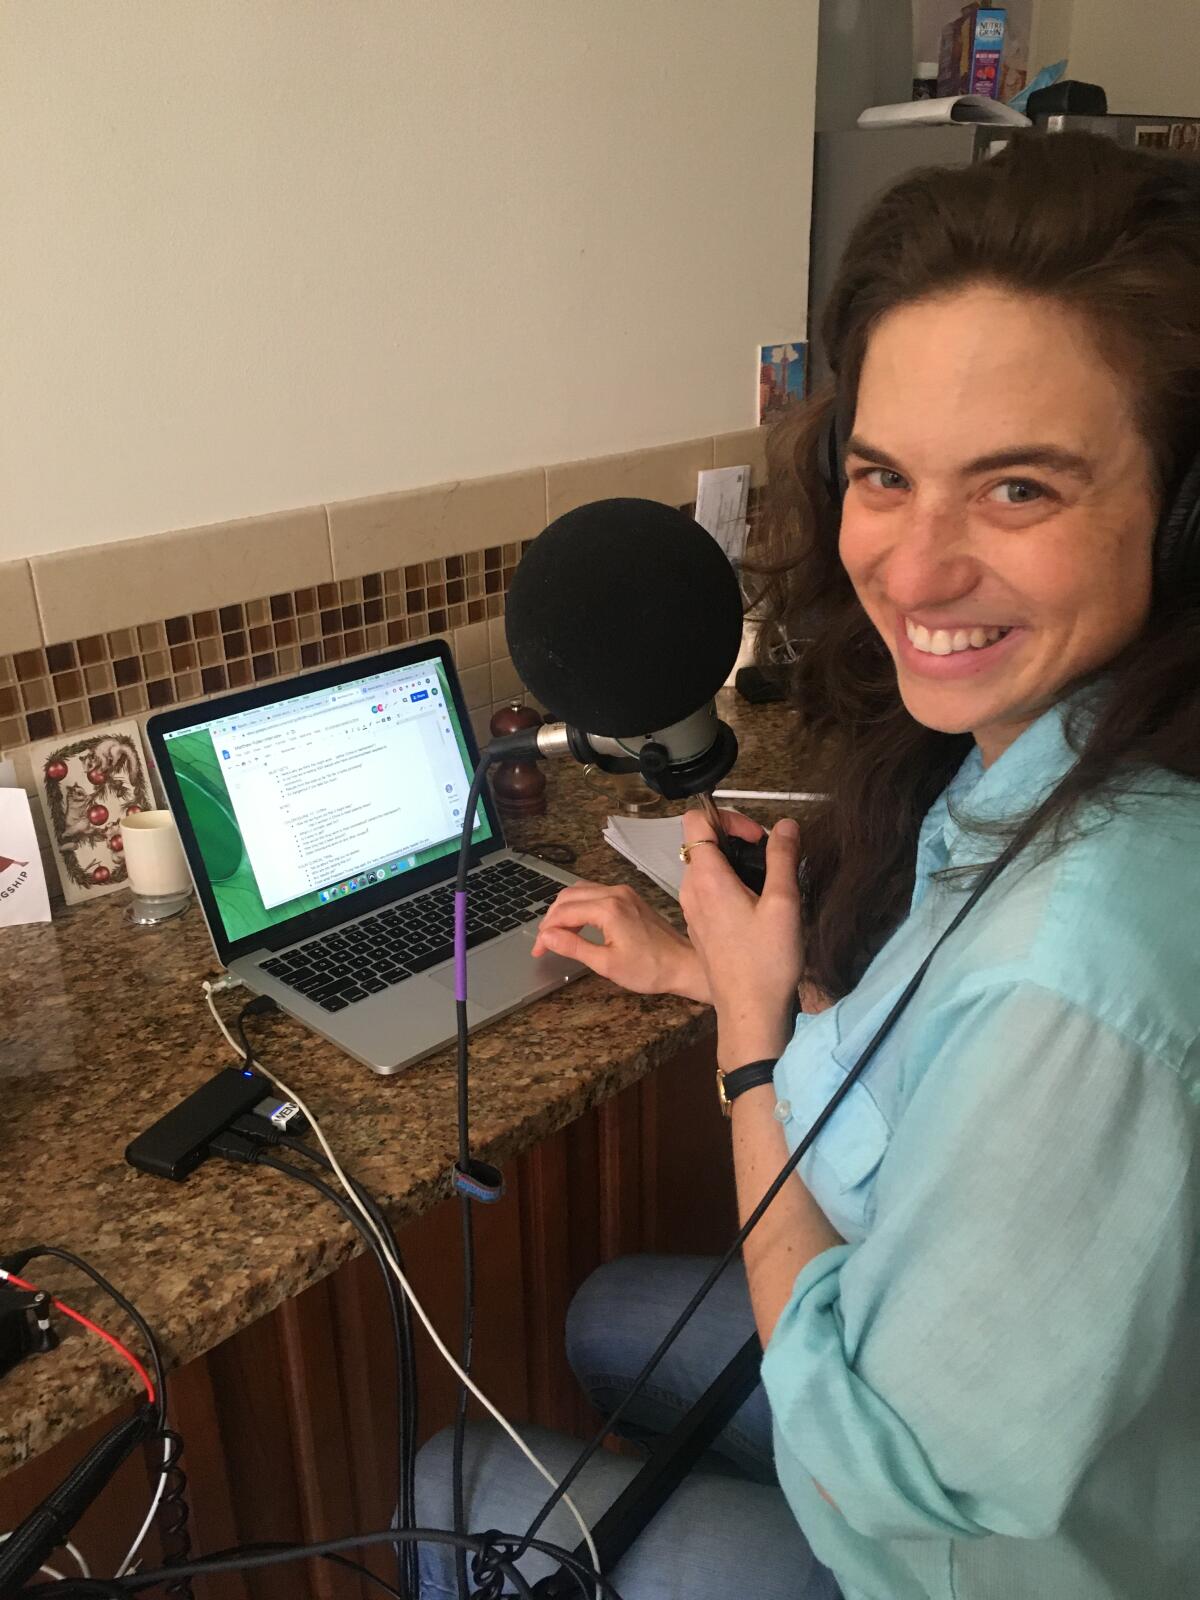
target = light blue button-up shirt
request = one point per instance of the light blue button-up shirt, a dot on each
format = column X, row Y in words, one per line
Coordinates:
column 997, row 1378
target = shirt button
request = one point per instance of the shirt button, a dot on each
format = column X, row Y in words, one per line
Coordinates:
column 783, row 1111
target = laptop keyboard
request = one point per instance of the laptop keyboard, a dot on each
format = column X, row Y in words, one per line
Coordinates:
column 354, row 962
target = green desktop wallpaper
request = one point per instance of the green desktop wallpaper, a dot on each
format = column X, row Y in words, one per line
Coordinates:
column 235, row 889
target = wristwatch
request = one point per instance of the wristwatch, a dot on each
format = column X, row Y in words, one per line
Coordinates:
column 732, row 1084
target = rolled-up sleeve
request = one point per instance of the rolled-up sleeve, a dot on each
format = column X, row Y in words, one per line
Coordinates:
column 957, row 1372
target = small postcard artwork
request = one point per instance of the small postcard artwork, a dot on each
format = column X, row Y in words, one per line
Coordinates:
column 782, row 371
column 22, row 884
column 1153, row 137
column 87, row 787
column 1185, row 138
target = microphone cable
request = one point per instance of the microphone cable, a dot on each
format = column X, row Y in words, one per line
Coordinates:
column 489, row 1180
column 486, row 1548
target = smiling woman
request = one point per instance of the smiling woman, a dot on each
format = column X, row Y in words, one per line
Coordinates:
column 1017, row 355
column 978, row 1292
column 995, row 577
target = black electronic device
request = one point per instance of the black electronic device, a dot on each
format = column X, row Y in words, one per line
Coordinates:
column 24, row 1324
column 178, row 1142
column 753, row 684
column 1067, row 97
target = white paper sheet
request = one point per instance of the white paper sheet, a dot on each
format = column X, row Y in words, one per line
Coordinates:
column 722, row 496
column 652, row 844
column 23, row 895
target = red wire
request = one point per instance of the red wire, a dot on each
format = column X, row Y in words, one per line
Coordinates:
column 92, row 1327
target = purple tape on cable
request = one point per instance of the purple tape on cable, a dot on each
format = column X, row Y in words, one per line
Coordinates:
column 460, row 944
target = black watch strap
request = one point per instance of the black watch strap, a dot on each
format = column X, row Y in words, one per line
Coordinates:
column 752, row 1076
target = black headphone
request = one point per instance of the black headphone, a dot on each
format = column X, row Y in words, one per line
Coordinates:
column 1176, row 541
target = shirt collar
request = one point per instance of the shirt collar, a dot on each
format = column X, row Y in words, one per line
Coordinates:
column 1016, row 782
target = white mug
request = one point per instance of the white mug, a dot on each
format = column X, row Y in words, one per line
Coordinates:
column 157, row 868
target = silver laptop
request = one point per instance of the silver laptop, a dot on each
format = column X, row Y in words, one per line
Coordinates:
column 321, row 820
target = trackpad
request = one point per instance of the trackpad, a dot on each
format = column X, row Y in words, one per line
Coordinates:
column 500, row 975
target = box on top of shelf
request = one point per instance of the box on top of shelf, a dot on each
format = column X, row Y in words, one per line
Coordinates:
column 972, row 51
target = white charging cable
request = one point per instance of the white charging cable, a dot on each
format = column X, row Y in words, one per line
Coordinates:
column 52, row 1572
column 127, row 1565
column 290, row 1094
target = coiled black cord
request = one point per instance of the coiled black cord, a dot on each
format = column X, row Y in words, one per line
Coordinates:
column 173, row 1516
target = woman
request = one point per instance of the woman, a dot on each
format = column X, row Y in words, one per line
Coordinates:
column 978, row 1297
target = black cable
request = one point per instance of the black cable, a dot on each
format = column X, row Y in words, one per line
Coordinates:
column 990, row 874
column 234, row 1147
column 238, row 1561
column 398, row 1307
column 330, row 1556
column 478, row 781
column 402, row 1347
column 172, row 1515
column 172, row 1508
column 460, row 1413
column 35, row 1252
column 408, row 1410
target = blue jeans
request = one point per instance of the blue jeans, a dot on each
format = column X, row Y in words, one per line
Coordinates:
column 725, row 1532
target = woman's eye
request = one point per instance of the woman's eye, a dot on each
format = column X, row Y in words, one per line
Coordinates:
column 883, row 478
column 1017, row 492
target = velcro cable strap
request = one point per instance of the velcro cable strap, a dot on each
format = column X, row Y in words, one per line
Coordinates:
column 479, row 1181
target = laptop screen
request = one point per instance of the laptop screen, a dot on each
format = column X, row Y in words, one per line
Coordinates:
column 302, row 801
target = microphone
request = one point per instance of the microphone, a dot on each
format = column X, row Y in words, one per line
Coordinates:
column 625, row 617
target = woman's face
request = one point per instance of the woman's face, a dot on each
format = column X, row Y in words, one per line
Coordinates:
column 1001, row 507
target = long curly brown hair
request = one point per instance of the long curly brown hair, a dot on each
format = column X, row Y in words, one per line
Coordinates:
column 1115, row 235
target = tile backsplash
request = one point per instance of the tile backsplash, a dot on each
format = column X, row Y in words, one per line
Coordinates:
column 124, row 629
column 73, row 684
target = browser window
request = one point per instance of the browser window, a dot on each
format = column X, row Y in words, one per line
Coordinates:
column 321, row 795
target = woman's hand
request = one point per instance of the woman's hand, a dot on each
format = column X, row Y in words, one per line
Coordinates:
column 641, row 950
column 749, row 945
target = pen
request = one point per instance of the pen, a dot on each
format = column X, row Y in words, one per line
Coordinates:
column 763, row 794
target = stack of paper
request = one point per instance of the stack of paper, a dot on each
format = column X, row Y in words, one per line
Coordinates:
column 652, row 844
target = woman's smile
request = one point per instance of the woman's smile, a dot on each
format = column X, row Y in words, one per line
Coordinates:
column 957, row 650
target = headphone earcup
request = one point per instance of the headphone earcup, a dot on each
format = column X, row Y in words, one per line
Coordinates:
column 830, row 458
column 1177, row 543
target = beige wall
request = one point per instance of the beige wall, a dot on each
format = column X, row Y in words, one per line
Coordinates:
column 1142, row 55
column 270, row 255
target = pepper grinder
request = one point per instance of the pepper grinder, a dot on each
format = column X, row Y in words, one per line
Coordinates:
column 519, row 786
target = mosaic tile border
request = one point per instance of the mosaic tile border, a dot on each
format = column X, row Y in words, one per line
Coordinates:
column 62, row 687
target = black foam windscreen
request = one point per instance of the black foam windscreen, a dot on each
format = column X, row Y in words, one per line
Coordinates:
column 624, row 616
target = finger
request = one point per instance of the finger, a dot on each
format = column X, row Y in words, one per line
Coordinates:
column 783, row 859
column 599, row 910
column 584, row 886
column 562, row 942
column 696, row 826
column 741, row 826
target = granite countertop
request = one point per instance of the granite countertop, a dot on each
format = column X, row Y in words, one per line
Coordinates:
column 103, row 1027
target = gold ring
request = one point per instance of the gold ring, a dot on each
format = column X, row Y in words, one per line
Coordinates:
column 685, row 850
